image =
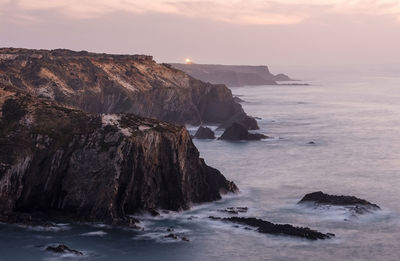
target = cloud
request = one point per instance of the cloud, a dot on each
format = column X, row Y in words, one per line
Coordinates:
column 246, row 12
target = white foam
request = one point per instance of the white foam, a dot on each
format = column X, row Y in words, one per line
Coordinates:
column 99, row 233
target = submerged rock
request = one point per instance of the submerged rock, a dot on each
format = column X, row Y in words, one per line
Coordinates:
column 266, row 227
column 234, row 210
column 238, row 132
column 204, row 133
column 173, row 236
column 63, row 249
column 354, row 204
column 61, row 163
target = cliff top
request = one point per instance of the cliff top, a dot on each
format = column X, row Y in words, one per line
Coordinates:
column 13, row 53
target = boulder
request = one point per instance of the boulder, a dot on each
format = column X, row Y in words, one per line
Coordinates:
column 353, row 204
column 238, row 132
column 63, row 249
column 204, row 133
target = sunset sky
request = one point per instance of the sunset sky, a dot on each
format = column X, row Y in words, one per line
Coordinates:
column 216, row 31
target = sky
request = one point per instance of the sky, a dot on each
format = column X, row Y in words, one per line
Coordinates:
column 277, row 32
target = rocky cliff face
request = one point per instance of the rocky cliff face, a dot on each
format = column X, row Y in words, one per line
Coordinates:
column 232, row 75
column 101, row 83
column 65, row 162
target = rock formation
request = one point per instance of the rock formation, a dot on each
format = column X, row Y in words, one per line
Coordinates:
column 204, row 133
column 277, row 229
column 238, row 132
column 232, row 75
column 354, row 204
column 61, row 162
column 63, row 249
column 102, row 83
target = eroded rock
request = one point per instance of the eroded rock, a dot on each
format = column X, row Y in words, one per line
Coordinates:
column 63, row 249
column 65, row 163
column 238, row 132
column 204, row 133
column 353, row 204
column 266, row 227
column 104, row 83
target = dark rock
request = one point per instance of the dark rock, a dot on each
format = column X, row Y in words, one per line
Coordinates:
column 103, row 83
column 248, row 122
column 153, row 212
column 173, row 236
column 63, row 249
column 311, row 143
column 185, row 239
column 61, row 163
column 277, row 229
column 322, row 198
column 238, row 132
column 354, row 204
column 204, row 133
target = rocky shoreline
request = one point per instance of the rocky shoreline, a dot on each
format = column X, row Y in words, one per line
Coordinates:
column 58, row 163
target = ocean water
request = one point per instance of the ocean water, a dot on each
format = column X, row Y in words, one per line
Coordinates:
column 353, row 116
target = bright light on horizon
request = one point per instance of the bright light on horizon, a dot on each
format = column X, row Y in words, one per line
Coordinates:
column 188, row 61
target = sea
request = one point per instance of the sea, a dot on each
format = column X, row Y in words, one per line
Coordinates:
column 351, row 116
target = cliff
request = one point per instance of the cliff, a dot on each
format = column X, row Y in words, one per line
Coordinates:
column 61, row 162
column 232, row 75
column 103, row 83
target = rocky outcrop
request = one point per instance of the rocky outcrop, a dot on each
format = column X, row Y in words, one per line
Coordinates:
column 63, row 249
column 354, row 204
column 204, row 133
column 102, row 83
column 266, row 227
column 232, row 75
column 238, row 132
column 57, row 162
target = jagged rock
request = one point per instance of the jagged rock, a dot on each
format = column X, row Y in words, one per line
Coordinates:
column 204, row 133
column 63, row 249
column 185, row 239
column 238, row 132
column 65, row 163
column 103, row 83
column 277, row 229
column 354, row 204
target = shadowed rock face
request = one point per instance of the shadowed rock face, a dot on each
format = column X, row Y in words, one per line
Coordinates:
column 277, row 229
column 64, row 162
column 102, row 83
column 238, row 132
column 353, row 204
column 204, row 133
